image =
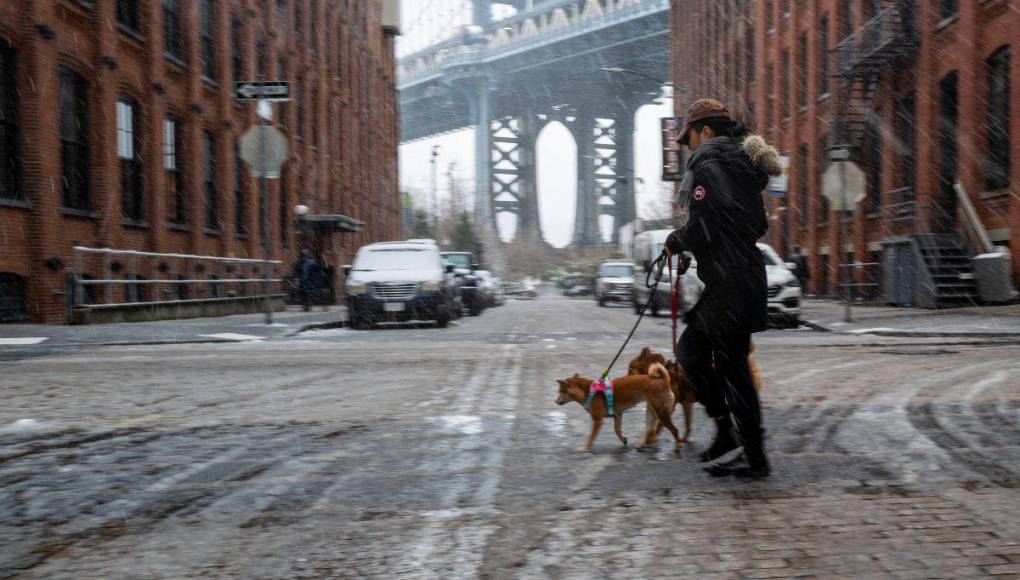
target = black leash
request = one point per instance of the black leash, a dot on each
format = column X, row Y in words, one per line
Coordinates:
column 660, row 263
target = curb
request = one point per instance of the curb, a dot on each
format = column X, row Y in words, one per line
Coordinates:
column 913, row 333
column 319, row 326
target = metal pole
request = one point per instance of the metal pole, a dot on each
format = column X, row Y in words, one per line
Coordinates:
column 435, row 193
column 264, row 202
column 845, row 237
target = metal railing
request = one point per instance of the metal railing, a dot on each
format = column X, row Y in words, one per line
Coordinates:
column 878, row 41
column 172, row 278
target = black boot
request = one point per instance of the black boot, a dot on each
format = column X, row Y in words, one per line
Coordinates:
column 757, row 465
column 724, row 441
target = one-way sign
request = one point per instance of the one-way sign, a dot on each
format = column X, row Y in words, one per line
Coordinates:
column 262, row 90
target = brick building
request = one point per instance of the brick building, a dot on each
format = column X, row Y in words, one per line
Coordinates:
column 118, row 128
column 924, row 92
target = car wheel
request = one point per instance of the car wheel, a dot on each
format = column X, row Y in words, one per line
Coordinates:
column 602, row 301
column 475, row 307
column 443, row 318
column 360, row 322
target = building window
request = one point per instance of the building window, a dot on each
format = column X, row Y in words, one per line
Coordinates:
column 236, row 44
column 10, row 165
column 212, row 218
column 208, row 28
column 284, row 212
column 823, row 55
column 749, row 57
column 997, row 162
column 74, row 140
column 786, row 84
column 313, row 36
column 802, row 185
column 945, row 214
column 240, row 201
column 770, row 96
column 299, row 23
column 172, row 29
column 282, row 24
column 947, row 8
column 769, row 15
column 315, row 118
column 260, row 60
column 845, row 18
column 129, row 152
column 299, row 110
column 823, row 164
column 905, row 135
column 127, row 14
column 802, row 71
column 176, row 200
column 872, row 154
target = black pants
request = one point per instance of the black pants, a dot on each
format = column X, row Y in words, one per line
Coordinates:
column 716, row 365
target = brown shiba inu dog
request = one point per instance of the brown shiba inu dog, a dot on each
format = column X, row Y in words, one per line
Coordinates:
column 683, row 391
column 630, row 390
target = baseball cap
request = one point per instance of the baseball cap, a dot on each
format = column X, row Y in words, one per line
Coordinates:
column 700, row 110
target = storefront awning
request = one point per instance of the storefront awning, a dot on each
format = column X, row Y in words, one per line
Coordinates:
column 329, row 224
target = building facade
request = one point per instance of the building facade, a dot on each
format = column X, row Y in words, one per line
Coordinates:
column 923, row 92
column 119, row 129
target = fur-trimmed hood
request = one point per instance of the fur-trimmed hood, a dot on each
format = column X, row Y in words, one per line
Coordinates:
column 762, row 155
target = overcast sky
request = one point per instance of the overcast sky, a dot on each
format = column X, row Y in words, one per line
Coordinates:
column 428, row 21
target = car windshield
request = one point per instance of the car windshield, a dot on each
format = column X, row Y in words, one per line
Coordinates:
column 458, row 260
column 616, row 271
column 393, row 259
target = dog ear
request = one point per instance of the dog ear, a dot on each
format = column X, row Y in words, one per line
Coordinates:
column 577, row 375
column 645, row 352
column 561, row 382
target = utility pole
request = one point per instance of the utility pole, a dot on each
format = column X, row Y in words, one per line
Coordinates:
column 454, row 193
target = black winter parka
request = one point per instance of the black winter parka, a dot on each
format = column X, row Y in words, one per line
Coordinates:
column 726, row 218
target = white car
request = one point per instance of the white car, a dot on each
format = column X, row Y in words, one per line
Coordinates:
column 492, row 286
column 614, row 282
column 784, row 289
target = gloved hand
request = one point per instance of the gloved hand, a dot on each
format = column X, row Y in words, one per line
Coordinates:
column 685, row 263
column 672, row 244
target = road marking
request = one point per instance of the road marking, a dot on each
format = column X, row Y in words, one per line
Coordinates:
column 23, row 341
column 233, row 336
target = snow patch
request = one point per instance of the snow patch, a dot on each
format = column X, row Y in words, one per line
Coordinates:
column 463, row 424
column 233, row 336
column 22, row 341
column 26, row 426
column 870, row 330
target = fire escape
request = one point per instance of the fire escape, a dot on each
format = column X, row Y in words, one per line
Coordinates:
column 919, row 268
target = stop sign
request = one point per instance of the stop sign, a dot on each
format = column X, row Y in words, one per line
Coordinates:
column 264, row 149
column 832, row 185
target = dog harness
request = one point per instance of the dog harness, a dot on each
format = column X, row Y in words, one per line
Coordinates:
column 604, row 386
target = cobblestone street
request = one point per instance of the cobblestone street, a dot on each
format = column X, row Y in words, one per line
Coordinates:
column 439, row 453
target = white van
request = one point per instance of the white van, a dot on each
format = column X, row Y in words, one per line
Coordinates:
column 647, row 246
column 400, row 281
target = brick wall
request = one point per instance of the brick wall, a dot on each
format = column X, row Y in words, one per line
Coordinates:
column 710, row 51
column 344, row 160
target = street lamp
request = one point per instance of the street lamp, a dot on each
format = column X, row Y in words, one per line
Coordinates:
column 301, row 210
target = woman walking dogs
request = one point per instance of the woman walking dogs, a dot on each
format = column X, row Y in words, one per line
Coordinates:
column 727, row 171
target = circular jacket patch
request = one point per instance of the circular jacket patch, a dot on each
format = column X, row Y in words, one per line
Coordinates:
column 699, row 193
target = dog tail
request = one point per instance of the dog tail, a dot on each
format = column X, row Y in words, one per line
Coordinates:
column 657, row 371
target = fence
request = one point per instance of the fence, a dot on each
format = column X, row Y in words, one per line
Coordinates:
column 150, row 279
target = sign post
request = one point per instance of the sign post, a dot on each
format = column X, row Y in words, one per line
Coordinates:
column 844, row 184
column 264, row 149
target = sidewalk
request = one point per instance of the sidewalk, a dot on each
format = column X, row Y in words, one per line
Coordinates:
column 973, row 321
column 235, row 328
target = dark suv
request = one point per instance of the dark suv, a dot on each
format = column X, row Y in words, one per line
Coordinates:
column 464, row 267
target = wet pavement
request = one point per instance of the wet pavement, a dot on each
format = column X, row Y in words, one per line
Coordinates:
column 439, row 453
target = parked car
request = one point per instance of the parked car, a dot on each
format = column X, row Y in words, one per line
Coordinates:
column 492, row 288
column 400, row 281
column 647, row 247
column 464, row 266
column 576, row 285
column 784, row 301
column 614, row 282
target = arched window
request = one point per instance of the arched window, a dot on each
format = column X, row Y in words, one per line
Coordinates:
column 998, row 153
column 127, row 14
column 74, row 140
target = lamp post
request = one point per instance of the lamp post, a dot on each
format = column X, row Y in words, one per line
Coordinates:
column 435, row 193
column 301, row 210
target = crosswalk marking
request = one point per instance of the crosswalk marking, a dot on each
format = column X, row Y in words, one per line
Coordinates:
column 234, row 336
column 22, row 341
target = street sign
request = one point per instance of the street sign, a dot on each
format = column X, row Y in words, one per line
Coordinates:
column 264, row 149
column 262, row 90
column 779, row 184
column 832, row 185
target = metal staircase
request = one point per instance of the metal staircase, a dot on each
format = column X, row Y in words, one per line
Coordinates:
column 950, row 268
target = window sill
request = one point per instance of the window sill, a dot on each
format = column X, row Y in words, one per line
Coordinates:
column 127, row 30
column 178, row 226
column 242, row 235
column 785, row 121
column 803, row 109
column 824, row 97
column 80, row 213
column 15, row 202
column 175, row 61
column 946, row 22
column 211, row 83
column 874, row 215
column 994, row 193
column 771, row 31
column 213, row 232
column 133, row 223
